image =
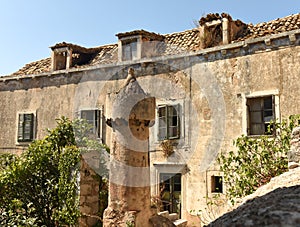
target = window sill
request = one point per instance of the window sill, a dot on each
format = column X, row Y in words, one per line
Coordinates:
column 258, row 136
column 23, row 143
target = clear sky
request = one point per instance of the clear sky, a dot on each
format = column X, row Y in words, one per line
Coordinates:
column 29, row 27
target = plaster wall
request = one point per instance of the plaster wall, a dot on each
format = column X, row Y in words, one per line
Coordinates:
column 211, row 89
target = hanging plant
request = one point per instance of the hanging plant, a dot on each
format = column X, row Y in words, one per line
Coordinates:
column 167, row 147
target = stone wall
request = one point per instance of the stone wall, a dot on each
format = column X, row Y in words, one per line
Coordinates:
column 211, row 87
column 89, row 196
column 294, row 154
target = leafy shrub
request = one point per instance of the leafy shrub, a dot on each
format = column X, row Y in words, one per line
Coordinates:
column 39, row 187
column 257, row 159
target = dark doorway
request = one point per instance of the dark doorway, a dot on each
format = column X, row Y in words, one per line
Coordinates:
column 170, row 185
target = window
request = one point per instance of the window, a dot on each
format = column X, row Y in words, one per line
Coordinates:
column 260, row 112
column 216, row 184
column 168, row 122
column 61, row 61
column 25, row 127
column 93, row 118
column 129, row 50
column 170, row 189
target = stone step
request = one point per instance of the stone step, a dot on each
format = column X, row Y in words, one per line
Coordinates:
column 173, row 216
column 164, row 214
column 180, row 223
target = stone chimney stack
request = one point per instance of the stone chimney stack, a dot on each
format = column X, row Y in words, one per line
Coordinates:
column 133, row 112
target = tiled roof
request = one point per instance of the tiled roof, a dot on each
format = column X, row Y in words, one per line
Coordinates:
column 279, row 25
column 140, row 32
column 174, row 43
column 77, row 48
column 36, row 67
column 182, row 41
column 108, row 54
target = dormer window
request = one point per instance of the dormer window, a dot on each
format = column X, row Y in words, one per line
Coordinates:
column 138, row 44
column 67, row 55
column 61, row 58
column 129, row 50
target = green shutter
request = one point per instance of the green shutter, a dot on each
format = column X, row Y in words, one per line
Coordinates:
column 20, row 127
column 25, row 127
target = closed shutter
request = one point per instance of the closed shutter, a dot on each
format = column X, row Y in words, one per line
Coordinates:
column 25, row 127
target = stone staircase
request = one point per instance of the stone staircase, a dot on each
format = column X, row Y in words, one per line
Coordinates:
column 174, row 217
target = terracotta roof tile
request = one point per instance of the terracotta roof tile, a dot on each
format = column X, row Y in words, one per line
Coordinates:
column 182, row 41
column 279, row 25
column 140, row 32
column 174, row 43
column 108, row 54
column 36, row 67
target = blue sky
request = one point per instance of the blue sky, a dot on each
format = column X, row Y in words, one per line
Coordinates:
column 29, row 27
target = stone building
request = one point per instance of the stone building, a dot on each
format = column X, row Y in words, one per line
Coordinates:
column 211, row 84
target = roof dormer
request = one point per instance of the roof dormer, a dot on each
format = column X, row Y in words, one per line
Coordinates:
column 218, row 29
column 137, row 44
column 67, row 55
column 61, row 57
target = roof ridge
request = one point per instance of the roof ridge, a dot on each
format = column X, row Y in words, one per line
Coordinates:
column 181, row 32
column 279, row 18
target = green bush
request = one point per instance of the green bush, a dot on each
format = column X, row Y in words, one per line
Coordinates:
column 257, row 159
column 40, row 187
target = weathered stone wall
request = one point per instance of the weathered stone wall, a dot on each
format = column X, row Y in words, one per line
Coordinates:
column 294, row 153
column 89, row 195
column 211, row 87
column 47, row 103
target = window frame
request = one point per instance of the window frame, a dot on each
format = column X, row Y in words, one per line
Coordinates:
column 132, row 52
column 217, row 184
column 61, row 58
column 97, row 121
column 260, row 111
column 167, row 119
column 21, row 127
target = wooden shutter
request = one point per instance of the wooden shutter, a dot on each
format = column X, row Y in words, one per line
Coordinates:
column 25, row 127
column 162, row 122
column 173, row 122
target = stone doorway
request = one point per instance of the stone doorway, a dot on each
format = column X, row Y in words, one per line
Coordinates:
column 170, row 185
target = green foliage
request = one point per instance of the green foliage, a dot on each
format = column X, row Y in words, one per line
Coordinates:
column 257, row 159
column 6, row 159
column 39, row 188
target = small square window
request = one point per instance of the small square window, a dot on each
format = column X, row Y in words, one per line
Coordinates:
column 168, row 122
column 25, row 127
column 216, row 184
column 261, row 112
